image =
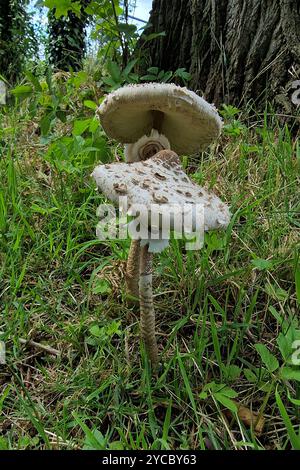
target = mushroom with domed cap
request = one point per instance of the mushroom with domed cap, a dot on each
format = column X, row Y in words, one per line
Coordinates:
column 183, row 121
column 159, row 189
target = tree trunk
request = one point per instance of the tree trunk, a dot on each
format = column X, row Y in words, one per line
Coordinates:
column 67, row 39
column 236, row 50
column 16, row 38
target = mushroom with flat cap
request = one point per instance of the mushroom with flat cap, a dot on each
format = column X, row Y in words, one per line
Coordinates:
column 159, row 187
column 152, row 117
column 188, row 122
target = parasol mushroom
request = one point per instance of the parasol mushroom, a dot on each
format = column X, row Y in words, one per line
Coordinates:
column 159, row 189
column 152, row 117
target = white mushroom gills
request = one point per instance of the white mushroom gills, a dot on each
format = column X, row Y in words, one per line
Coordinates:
column 188, row 122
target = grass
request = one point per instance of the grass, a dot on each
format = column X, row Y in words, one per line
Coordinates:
column 62, row 288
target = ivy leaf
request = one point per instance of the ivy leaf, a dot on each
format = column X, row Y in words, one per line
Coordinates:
column 268, row 359
column 62, row 7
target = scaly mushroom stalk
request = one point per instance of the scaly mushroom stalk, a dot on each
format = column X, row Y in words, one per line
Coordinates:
column 147, row 308
column 133, row 272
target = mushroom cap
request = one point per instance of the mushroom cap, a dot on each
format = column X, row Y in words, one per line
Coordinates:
column 159, row 184
column 189, row 122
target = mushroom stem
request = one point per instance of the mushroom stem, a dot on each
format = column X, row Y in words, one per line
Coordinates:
column 147, row 309
column 158, row 118
column 133, row 272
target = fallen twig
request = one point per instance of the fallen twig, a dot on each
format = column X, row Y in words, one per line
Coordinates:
column 42, row 347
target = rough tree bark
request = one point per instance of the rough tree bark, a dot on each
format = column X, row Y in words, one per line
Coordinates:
column 236, row 50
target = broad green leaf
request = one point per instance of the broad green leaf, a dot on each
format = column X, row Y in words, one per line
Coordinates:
column 4, row 444
column 268, row 359
column 262, row 264
column 81, row 126
column 153, row 70
column 110, row 82
column 167, row 76
column 229, row 393
column 62, row 7
column 127, row 29
column 293, row 400
column 90, row 104
column 250, row 376
column 129, row 67
column 149, row 78
column 102, row 287
column 34, row 81
column 94, row 126
column 276, row 315
column 287, row 373
column 45, row 123
column 80, row 78
column 232, row 372
column 97, row 331
column 94, row 440
column 284, row 346
column 152, row 36
column 22, row 90
column 114, row 71
column 276, row 292
column 116, row 445
column 225, row 401
column 182, row 73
